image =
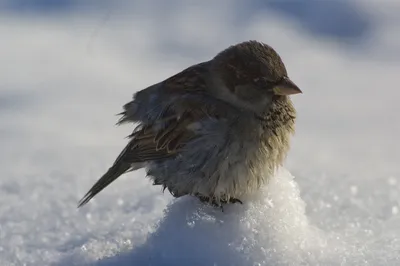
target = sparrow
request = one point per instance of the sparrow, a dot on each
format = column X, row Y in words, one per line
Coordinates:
column 216, row 130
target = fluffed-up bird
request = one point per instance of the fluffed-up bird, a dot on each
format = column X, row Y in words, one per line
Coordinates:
column 216, row 130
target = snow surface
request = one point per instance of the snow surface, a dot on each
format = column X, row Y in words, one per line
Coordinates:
column 63, row 76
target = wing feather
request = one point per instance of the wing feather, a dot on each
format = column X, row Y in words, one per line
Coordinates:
column 164, row 112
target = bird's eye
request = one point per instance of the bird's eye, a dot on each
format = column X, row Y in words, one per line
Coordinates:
column 262, row 83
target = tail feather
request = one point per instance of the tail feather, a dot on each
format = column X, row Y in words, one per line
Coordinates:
column 113, row 173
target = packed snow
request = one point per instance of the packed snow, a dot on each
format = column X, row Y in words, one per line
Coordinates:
column 64, row 76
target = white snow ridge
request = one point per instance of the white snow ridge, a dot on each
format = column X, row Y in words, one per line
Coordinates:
column 270, row 228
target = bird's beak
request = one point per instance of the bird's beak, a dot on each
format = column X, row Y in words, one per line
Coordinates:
column 286, row 87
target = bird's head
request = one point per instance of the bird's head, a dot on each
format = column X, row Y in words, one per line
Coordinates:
column 251, row 75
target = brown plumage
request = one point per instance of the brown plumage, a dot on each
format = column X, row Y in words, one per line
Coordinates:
column 216, row 130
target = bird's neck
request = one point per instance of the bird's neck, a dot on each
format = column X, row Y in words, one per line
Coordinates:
column 280, row 114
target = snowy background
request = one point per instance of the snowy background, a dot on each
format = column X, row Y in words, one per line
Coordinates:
column 66, row 67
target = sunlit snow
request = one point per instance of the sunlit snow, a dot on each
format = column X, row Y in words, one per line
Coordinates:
column 64, row 76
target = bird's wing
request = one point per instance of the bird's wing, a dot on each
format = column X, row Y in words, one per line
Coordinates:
column 167, row 114
column 166, row 111
column 155, row 102
column 159, row 140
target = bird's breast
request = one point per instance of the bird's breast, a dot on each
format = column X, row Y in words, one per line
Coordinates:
column 229, row 158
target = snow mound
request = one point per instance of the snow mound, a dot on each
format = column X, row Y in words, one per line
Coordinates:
column 270, row 228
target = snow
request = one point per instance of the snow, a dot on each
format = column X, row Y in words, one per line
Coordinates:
column 271, row 227
column 64, row 75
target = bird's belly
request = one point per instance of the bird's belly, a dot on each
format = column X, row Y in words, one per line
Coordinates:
column 222, row 170
column 243, row 170
column 227, row 159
